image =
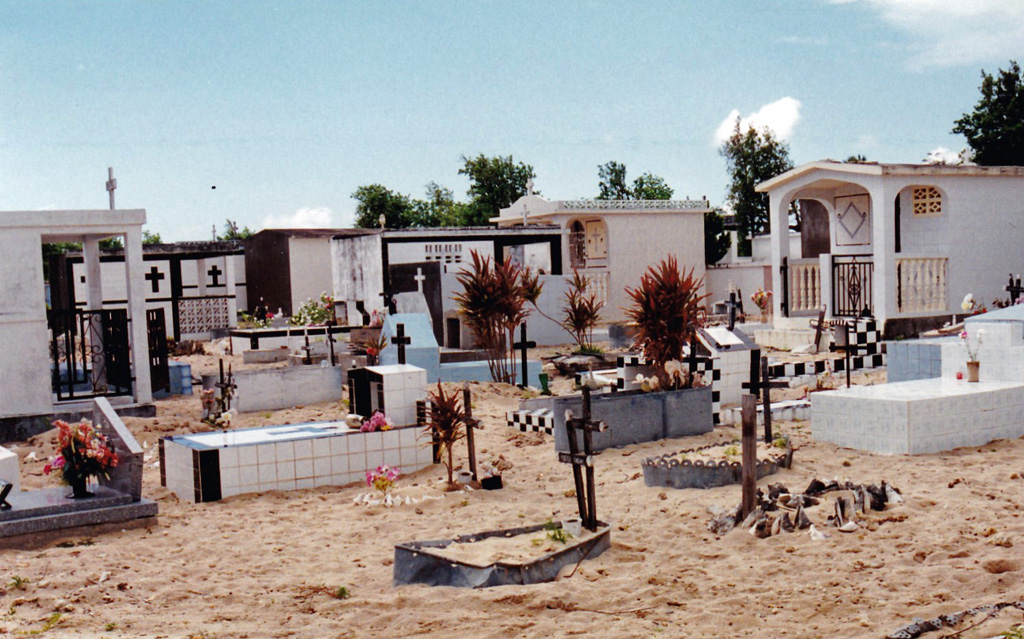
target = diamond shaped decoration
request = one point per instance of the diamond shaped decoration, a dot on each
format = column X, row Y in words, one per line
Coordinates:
column 852, row 220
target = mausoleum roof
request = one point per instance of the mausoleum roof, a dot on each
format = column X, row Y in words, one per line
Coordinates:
column 875, row 168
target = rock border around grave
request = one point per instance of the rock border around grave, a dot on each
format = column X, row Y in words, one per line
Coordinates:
column 670, row 472
column 416, row 564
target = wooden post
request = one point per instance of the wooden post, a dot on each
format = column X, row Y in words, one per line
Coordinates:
column 846, row 329
column 732, row 310
column 588, row 450
column 754, row 385
column 577, row 472
column 767, row 400
column 749, row 455
column 471, row 425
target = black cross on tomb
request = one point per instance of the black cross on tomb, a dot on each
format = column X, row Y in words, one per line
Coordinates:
column 154, row 276
column 215, row 273
column 401, row 340
column 523, row 345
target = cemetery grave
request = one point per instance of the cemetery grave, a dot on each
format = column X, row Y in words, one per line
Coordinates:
column 713, row 465
column 37, row 516
column 937, row 414
column 522, row 555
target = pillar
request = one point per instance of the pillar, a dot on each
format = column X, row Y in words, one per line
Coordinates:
column 778, row 216
column 229, row 276
column 135, row 291
column 883, row 244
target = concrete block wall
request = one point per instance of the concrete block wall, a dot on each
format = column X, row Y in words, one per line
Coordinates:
column 278, row 388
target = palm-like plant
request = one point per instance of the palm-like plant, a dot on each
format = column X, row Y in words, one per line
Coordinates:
column 582, row 312
column 493, row 303
column 447, row 424
column 667, row 310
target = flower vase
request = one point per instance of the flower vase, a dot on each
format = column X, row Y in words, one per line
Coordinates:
column 78, row 488
column 972, row 371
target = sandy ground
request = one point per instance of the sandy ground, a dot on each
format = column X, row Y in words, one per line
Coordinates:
column 268, row 565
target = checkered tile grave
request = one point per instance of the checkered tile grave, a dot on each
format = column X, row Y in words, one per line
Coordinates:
column 629, row 366
column 538, row 421
column 868, row 355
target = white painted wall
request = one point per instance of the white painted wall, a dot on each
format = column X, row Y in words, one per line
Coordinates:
column 357, row 273
column 309, row 259
column 412, row 252
column 24, row 339
column 637, row 241
column 745, row 277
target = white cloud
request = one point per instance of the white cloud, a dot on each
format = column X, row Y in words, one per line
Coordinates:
column 942, row 155
column 946, row 33
column 307, row 217
column 780, row 116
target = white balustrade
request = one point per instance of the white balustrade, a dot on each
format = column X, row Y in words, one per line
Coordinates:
column 922, row 284
column 597, row 283
column 804, row 286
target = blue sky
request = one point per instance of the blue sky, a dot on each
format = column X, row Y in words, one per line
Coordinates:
column 287, row 107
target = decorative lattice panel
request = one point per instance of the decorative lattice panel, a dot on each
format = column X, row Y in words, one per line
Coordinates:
column 202, row 315
column 927, row 200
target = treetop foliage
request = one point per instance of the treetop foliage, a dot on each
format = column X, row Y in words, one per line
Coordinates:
column 995, row 129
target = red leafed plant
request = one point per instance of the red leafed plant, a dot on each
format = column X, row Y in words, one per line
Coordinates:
column 493, row 302
column 84, row 452
column 667, row 310
column 582, row 312
column 447, row 421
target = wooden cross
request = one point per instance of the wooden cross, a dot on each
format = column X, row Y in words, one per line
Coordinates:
column 1014, row 289
column 585, row 499
column 401, row 340
column 761, row 382
column 5, row 490
column 227, row 388
column 154, row 276
column 749, row 438
column 818, row 326
column 111, row 185
column 471, row 424
column 215, row 273
column 523, row 345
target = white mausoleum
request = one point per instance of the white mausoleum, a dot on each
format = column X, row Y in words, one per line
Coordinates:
column 906, row 242
column 613, row 242
column 26, row 370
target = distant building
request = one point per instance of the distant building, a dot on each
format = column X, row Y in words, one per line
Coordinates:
column 613, row 242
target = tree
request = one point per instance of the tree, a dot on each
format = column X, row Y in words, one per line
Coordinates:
column 612, row 182
column 375, row 200
column 149, row 239
column 856, row 159
column 494, row 184
column 439, row 209
column 716, row 239
column 232, row 232
column 651, row 187
column 752, row 157
column 995, row 129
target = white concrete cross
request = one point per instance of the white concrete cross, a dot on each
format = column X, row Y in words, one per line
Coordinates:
column 420, row 278
column 111, row 185
column 529, row 186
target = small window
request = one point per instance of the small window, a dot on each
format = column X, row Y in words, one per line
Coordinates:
column 927, row 201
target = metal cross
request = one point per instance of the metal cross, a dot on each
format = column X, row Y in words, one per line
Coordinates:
column 227, row 388
column 401, row 340
column 523, row 345
column 111, row 185
column 1014, row 289
column 154, row 276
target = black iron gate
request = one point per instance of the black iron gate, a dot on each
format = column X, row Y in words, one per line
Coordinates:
column 156, row 333
column 852, row 286
column 89, row 354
